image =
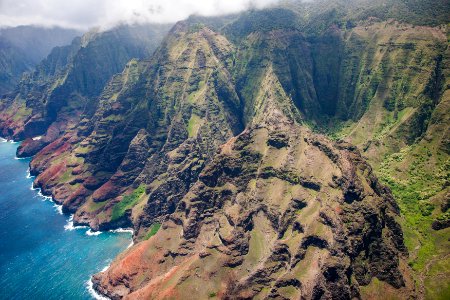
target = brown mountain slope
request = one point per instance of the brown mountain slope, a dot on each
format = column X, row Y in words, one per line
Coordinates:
column 280, row 212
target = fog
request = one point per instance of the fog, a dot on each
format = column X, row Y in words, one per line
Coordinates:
column 85, row 14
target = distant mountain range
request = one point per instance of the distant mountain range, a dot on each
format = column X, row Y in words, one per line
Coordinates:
column 23, row 47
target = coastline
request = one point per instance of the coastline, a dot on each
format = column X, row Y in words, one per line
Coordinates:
column 69, row 226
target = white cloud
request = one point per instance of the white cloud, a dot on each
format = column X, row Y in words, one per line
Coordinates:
column 83, row 14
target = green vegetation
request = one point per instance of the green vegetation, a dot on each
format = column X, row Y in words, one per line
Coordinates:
column 153, row 230
column 21, row 113
column 66, row 176
column 193, row 125
column 414, row 194
column 127, row 202
column 95, row 206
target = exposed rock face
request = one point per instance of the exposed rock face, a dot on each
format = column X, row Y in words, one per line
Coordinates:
column 265, row 221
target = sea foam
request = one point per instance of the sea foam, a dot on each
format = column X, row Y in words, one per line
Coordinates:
column 44, row 198
column 90, row 232
column 92, row 292
column 69, row 226
column 122, row 230
column 58, row 208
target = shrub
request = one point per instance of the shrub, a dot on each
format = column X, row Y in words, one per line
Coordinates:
column 127, row 202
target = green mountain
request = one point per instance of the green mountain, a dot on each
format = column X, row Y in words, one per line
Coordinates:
column 23, row 47
column 68, row 82
column 296, row 152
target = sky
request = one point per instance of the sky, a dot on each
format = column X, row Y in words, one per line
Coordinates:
column 85, row 14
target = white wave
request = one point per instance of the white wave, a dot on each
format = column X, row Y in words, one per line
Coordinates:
column 20, row 158
column 29, row 174
column 3, row 140
column 92, row 292
column 44, row 198
column 105, row 268
column 58, row 208
column 131, row 244
column 122, row 230
column 69, row 226
column 125, row 230
column 90, row 232
column 37, row 138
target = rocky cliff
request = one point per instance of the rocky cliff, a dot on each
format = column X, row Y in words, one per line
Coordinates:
column 280, row 212
column 23, row 47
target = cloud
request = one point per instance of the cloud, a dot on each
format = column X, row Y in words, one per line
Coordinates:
column 84, row 14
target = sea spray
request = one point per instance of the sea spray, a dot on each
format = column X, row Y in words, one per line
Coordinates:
column 93, row 233
column 122, row 230
column 58, row 208
column 93, row 292
column 69, row 226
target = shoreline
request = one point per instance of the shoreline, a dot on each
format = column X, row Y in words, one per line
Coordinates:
column 90, row 287
column 70, row 227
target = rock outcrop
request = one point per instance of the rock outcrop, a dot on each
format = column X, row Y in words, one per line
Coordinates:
column 304, row 220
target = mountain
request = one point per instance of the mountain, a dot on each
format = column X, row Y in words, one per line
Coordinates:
column 294, row 152
column 68, row 82
column 23, row 47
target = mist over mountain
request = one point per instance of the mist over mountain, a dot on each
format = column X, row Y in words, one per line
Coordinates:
column 85, row 14
column 23, row 47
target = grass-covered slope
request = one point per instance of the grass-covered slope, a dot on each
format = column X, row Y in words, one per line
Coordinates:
column 403, row 131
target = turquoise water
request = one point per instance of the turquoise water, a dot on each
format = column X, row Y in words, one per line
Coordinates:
column 41, row 255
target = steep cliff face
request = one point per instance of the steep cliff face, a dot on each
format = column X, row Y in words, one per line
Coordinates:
column 23, row 47
column 207, row 150
column 70, row 79
column 13, row 62
column 279, row 212
column 403, row 133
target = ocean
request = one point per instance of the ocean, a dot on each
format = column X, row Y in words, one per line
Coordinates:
column 42, row 256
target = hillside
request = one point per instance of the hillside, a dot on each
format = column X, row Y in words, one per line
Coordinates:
column 23, row 47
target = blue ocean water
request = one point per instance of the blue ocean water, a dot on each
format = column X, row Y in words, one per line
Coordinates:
column 40, row 257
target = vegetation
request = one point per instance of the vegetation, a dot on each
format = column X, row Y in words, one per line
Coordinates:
column 153, row 230
column 128, row 201
column 414, row 193
column 193, row 125
column 339, row 66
